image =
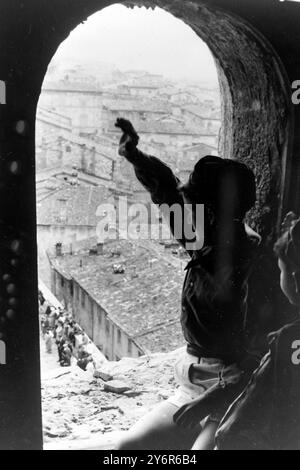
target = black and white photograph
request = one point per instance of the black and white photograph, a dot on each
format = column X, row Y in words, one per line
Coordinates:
column 149, row 227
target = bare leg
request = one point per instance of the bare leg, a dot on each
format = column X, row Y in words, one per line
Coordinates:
column 206, row 439
column 157, row 431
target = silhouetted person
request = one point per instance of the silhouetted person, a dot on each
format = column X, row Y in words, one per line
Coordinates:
column 214, row 297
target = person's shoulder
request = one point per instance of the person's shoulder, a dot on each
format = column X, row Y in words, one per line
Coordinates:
column 283, row 340
column 288, row 332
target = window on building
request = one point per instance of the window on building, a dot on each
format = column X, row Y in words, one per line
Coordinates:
column 62, row 211
column 77, row 293
column 71, row 288
column 129, row 346
column 62, row 281
column 107, row 326
column 119, row 336
column 91, row 307
column 83, row 299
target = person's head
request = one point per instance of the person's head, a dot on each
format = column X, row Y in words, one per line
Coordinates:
column 287, row 249
column 226, row 187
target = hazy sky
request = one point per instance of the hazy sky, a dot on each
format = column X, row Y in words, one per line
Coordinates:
column 138, row 38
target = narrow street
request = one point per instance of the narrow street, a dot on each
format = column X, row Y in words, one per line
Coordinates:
column 79, row 412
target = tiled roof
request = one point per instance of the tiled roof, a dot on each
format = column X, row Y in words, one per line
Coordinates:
column 158, row 107
column 80, row 206
column 49, row 115
column 200, row 146
column 53, row 178
column 158, row 127
column 165, row 338
column 185, row 92
column 198, row 110
column 66, row 85
column 146, row 307
column 146, row 81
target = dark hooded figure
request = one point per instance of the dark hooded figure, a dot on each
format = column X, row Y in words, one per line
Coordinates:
column 266, row 416
column 222, row 251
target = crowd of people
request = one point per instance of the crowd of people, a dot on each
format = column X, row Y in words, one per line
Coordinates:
column 59, row 327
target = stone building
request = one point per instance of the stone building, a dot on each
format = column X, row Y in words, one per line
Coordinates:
column 207, row 120
column 131, row 311
column 138, row 111
column 49, row 122
column 58, row 144
column 165, row 127
column 170, row 135
column 143, row 85
column 190, row 155
column 184, row 97
column 66, row 215
column 81, row 101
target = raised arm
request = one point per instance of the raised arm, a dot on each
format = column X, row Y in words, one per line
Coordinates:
column 153, row 174
column 156, row 177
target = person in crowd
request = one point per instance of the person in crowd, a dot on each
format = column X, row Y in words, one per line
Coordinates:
column 214, row 297
column 60, row 346
column 41, row 297
column 71, row 334
column 44, row 324
column 84, row 338
column 42, row 308
column 59, row 330
column 48, row 338
column 83, row 357
column 48, row 310
column 66, row 355
column 52, row 318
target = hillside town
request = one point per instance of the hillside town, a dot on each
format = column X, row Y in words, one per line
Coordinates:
column 133, row 310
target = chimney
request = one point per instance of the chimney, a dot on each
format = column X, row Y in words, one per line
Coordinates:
column 100, row 248
column 58, row 249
